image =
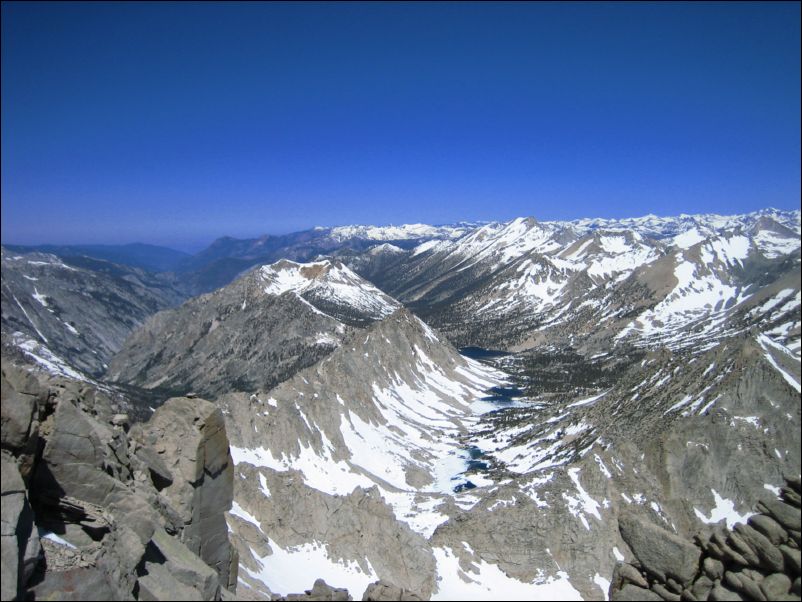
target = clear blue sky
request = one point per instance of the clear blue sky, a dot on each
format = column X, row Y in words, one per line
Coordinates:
column 178, row 123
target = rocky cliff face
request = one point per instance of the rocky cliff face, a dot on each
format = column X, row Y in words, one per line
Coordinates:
column 96, row 508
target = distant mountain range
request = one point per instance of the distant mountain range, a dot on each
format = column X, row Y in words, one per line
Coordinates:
column 227, row 257
column 636, row 385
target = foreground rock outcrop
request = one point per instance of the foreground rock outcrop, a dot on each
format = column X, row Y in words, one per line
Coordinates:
column 759, row 560
column 93, row 509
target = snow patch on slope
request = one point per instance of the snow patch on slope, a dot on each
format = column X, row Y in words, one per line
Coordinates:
column 289, row 570
column 485, row 581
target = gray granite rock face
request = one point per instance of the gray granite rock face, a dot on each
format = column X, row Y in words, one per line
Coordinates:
column 662, row 553
column 762, row 569
column 321, row 591
column 382, row 591
column 633, row 593
column 16, row 417
column 357, row 528
column 174, row 572
column 116, row 505
column 20, row 539
column 189, row 435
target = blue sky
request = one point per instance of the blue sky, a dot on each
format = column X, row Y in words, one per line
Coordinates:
column 178, row 123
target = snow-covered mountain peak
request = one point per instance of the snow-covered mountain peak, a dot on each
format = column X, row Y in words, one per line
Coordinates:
column 386, row 248
column 286, row 275
column 328, row 285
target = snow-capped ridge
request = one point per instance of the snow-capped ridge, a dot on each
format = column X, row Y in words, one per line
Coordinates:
column 286, row 275
column 324, row 283
column 386, row 248
column 402, row 232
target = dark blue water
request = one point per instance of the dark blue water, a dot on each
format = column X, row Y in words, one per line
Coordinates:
column 500, row 395
column 503, row 394
column 474, row 453
column 464, row 487
column 480, row 353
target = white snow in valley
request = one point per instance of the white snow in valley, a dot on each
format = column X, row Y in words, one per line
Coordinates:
column 769, row 345
column 418, row 429
column 295, row 568
column 53, row 264
column 239, row 511
column 319, row 470
column 45, row 358
column 31, row 322
column 584, row 504
column 587, row 401
column 773, row 488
